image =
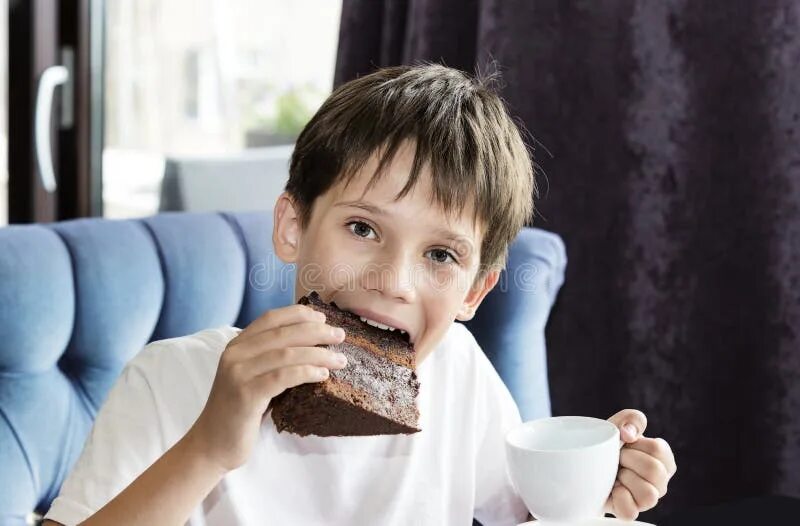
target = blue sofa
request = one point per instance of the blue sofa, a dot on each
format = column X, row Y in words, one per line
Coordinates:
column 79, row 298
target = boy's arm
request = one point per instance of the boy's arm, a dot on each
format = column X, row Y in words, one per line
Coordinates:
column 281, row 349
column 166, row 492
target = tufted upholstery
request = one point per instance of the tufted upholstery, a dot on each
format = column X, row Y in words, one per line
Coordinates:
column 79, row 298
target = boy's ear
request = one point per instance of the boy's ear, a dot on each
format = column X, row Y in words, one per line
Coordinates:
column 477, row 292
column 286, row 229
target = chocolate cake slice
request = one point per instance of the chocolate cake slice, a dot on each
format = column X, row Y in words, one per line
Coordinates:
column 375, row 394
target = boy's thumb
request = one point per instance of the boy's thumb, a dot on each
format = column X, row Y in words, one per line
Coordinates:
column 629, row 433
column 631, row 424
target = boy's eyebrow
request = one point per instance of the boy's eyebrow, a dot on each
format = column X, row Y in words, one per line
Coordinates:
column 363, row 205
column 452, row 236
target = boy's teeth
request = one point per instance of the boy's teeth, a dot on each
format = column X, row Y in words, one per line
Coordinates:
column 378, row 325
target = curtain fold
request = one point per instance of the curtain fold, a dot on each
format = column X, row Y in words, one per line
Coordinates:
column 667, row 135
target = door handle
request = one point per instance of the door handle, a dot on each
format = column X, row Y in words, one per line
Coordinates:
column 50, row 79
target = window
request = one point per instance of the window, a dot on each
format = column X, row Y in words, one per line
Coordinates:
column 207, row 78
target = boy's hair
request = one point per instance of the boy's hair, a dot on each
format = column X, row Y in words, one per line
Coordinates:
column 460, row 128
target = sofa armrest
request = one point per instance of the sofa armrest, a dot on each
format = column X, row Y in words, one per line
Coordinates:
column 510, row 324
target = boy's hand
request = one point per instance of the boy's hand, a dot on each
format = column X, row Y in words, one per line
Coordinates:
column 646, row 466
column 275, row 352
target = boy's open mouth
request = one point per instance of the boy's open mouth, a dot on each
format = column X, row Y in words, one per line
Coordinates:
column 383, row 322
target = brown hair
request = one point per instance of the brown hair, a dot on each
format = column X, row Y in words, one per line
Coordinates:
column 461, row 130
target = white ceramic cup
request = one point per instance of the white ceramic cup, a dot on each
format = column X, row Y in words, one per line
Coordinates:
column 564, row 467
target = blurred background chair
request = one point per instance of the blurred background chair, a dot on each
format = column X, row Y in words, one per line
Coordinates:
column 78, row 299
column 247, row 180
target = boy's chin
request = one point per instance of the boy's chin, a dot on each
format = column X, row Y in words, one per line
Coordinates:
column 422, row 352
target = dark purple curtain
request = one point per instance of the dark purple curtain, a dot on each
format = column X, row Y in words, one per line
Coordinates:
column 670, row 165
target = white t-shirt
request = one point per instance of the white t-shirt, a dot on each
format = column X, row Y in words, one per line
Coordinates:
column 452, row 470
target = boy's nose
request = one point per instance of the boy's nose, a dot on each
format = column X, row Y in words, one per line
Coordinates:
column 395, row 278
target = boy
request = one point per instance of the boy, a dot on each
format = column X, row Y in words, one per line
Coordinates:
column 405, row 190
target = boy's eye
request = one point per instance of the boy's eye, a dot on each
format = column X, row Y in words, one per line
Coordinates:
column 361, row 229
column 440, row 255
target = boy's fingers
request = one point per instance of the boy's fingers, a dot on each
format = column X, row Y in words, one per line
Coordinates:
column 623, row 503
column 273, row 383
column 290, row 356
column 305, row 334
column 645, row 466
column 631, row 424
column 658, row 448
column 644, row 494
column 283, row 316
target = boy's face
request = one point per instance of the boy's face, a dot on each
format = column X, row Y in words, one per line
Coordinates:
column 406, row 264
